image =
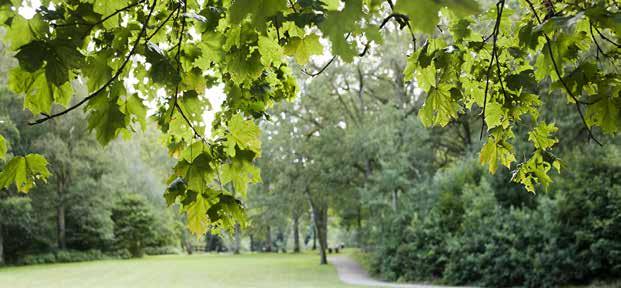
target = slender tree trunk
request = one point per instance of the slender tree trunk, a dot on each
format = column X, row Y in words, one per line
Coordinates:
column 60, row 215
column 296, row 234
column 269, row 239
column 60, row 219
column 321, row 224
column 395, row 199
column 1, row 247
column 314, row 237
column 237, row 239
column 251, row 243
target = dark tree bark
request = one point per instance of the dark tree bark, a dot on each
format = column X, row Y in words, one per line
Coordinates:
column 268, row 248
column 321, row 224
column 61, row 229
column 395, row 200
column 252, row 243
column 1, row 246
column 314, row 237
column 237, row 239
column 296, row 234
column 60, row 214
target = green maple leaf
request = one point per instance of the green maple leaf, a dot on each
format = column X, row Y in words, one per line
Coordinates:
column 39, row 92
column 541, row 136
column 494, row 115
column 228, row 211
column 105, row 115
column 245, row 133
column 211, row 50
column 24, row 171
column 200, row 173
column 338, row 24
column 134, row 108
column 257, row 10
column 426, row 77
column 424, row 13
column 302, row 48
column 198, row 223
column 23, row 31
column 3, row 148
column 243, row 66
column 271, row 51
column 605, row 114
column 107, row 7
column 535, row 171
column 497, row 149
column 241, row 172
column 439, row 108
column 97, row 71
column 331, row 5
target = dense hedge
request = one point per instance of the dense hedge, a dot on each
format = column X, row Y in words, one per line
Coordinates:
column 571, row 235
column 63, row 256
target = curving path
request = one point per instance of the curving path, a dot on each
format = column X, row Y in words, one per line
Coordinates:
column 351, row 273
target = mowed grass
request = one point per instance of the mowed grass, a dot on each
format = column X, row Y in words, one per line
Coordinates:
column 250, row 270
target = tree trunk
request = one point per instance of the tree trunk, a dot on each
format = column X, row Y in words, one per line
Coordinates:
column 1, row 247
column 321, row 224
column 314, row 237
column 60, row 221
column 296, row 234
column 395, row 200
column 237, row 239
column 251, row 243
column 269, row 239
column 60, row 215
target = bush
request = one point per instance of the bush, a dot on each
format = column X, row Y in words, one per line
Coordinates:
column 570, row 235
column 165, row 250
column 133, row 224
column 62, row 256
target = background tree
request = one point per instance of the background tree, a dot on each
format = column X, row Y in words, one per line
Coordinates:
column 133, row 220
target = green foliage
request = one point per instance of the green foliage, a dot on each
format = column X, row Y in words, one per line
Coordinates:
column 570, row 236
column 65, row 256
column 182, row 48
column 23, row 172
column 15, row 211
column 133, row 222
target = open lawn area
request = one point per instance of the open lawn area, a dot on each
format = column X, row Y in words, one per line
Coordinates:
column 251, row 270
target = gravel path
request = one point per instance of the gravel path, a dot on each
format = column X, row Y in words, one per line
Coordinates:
column 351, row 273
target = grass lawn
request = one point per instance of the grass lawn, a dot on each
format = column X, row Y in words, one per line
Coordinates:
column 251, row 270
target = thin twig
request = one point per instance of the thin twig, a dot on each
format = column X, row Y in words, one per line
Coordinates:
column 606, row 38
column 148, row 38
column 599, row 49
column 499, row 9
column 114, row 77
column 558, row 73
column 102, row 20
column 178, row 56
column 315, row 74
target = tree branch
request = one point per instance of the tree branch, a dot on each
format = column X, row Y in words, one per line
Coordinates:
column 114, row 77
column 148, row 38
column 606, row 38
column 178, row 56
column 499, row 9
column 558, row 73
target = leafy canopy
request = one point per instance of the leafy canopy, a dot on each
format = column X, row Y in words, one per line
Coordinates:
column 126, row 51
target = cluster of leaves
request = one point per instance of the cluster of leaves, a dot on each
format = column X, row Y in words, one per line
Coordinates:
column 128, row 52
column 461, row 71
column 22, row 171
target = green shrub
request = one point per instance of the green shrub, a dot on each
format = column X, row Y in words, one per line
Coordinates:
column 62, row 256
column 165, row 250
column 133, row 224
column 572, row 234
